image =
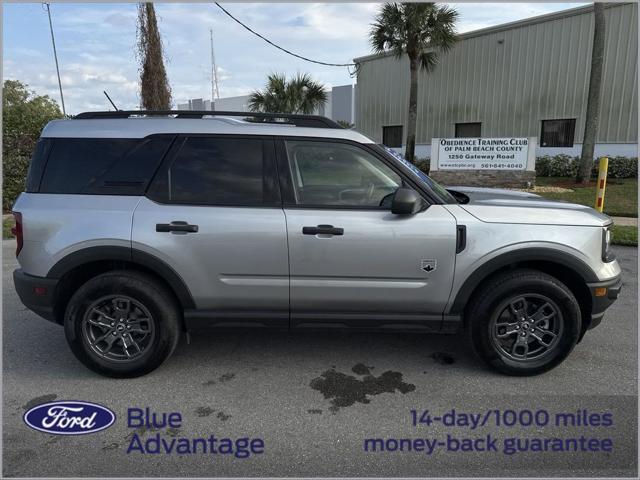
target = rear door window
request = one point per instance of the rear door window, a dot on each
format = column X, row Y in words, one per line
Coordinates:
column 219, row 171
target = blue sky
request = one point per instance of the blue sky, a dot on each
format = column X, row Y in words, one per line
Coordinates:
column 96, row 45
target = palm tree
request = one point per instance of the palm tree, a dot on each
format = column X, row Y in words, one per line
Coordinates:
column 593, row 97
column 421, row 31
column 301, row 94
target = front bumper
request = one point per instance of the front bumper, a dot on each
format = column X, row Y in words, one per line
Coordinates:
column 36, row 293
column 600, row 302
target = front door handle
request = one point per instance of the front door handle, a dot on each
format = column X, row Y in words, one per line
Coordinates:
column 176, row 226
column 323, row 230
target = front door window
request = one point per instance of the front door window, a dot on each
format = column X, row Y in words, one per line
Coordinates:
column 338, row 174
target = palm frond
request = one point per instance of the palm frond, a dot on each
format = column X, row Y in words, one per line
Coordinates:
column 256, row 102
column 388, row 30
column 428, row 61
column 301, row 94
column 413, row 29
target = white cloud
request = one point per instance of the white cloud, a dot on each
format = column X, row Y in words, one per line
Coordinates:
column 97, row 44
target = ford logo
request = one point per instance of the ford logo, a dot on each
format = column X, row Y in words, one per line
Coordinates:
column 69, row 418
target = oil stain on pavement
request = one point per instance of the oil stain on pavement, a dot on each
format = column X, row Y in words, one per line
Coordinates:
column 223, row 416
column 204, row 411
column 39, row 400
column 222, row 379
column 345, row 390
column 442, row 358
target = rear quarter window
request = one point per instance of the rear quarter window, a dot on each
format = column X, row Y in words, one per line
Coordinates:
column 37, row 164
column 106, row 166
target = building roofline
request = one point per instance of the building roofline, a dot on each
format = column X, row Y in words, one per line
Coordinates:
column 547, row 17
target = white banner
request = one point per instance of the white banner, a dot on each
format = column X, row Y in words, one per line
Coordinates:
column 482, row 153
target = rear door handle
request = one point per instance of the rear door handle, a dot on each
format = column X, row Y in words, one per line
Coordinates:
column 323, row 230
column 176, row 226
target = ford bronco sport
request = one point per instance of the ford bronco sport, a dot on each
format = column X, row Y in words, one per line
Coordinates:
column 136, row 227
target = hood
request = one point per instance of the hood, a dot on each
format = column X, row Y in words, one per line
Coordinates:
column 497, row 205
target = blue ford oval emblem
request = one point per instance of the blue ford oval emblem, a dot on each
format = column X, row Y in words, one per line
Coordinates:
column 69, row 418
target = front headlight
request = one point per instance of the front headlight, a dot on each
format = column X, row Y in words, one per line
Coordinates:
column 607, row 254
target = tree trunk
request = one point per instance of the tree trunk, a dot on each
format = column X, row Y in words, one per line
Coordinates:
column 155, row 93
column 410, row 149
column 593, row 99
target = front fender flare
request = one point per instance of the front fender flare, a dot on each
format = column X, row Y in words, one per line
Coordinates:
column 531, row 254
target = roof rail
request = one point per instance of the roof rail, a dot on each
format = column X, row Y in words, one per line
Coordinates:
column 298, row 120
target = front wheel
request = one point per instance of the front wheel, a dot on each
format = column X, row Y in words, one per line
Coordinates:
column 524, row 322
column 122, row 324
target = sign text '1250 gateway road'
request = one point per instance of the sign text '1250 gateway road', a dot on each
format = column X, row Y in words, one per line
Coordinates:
column 482, row 153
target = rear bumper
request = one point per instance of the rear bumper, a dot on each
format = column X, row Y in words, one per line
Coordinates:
column 600, row 303
column 36, row 293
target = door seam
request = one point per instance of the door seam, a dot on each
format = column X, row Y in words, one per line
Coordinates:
column 286, row 228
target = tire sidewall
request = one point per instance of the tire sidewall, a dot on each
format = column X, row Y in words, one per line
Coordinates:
column 491, row 298
column 148, row 293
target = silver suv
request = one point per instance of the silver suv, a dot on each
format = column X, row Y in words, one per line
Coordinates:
column 137, row 227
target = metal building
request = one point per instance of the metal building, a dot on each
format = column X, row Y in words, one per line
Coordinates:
column 522, row 79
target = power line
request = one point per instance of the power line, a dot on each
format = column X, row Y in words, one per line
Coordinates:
column 306, row 59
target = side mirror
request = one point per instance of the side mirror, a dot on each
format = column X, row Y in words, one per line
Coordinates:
column 406, row 201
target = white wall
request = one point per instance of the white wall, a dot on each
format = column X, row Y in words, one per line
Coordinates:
column 608, row 149
column 233, row 104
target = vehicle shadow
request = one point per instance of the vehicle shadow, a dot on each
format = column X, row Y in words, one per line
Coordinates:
column 205, row 348
column 419, row 350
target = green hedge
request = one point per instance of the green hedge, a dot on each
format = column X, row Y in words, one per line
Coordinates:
column 567, row 166
column 423, row 164
column 24, row 114
column 15, row 174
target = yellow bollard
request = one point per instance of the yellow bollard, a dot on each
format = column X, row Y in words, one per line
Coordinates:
column 602, row 183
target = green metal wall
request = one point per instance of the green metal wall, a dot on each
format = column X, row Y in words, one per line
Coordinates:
column 511, row 77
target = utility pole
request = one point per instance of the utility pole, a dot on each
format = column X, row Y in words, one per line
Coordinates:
column 55, row 56
column 215, row 93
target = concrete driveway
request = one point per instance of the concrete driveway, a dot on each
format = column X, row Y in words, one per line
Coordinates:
column 313, row 398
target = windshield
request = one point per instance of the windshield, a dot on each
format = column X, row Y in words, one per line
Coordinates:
column 434, row 186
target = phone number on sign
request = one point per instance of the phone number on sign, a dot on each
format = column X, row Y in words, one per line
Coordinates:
column 488, row 166
column 502, row 165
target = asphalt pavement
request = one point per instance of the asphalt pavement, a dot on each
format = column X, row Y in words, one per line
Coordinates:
column 314, row 398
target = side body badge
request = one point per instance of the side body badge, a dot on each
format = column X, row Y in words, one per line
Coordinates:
column 428, row 265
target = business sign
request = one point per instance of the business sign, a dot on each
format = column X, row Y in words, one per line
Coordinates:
column 482, row 153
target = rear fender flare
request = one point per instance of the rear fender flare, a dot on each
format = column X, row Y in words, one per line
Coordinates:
column 144, row 259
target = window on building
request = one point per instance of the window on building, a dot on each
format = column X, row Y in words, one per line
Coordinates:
column 558, row 133
column 468, row 130
column 215, row 171
column 392, row 136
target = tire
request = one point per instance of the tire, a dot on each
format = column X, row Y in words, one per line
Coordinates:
column 498, row 333
column 122, row 324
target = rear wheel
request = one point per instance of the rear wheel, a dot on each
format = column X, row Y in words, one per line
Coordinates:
column 523, row 322
column 122, row 324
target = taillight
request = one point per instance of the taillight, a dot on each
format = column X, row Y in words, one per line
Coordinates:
column 16, row 231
